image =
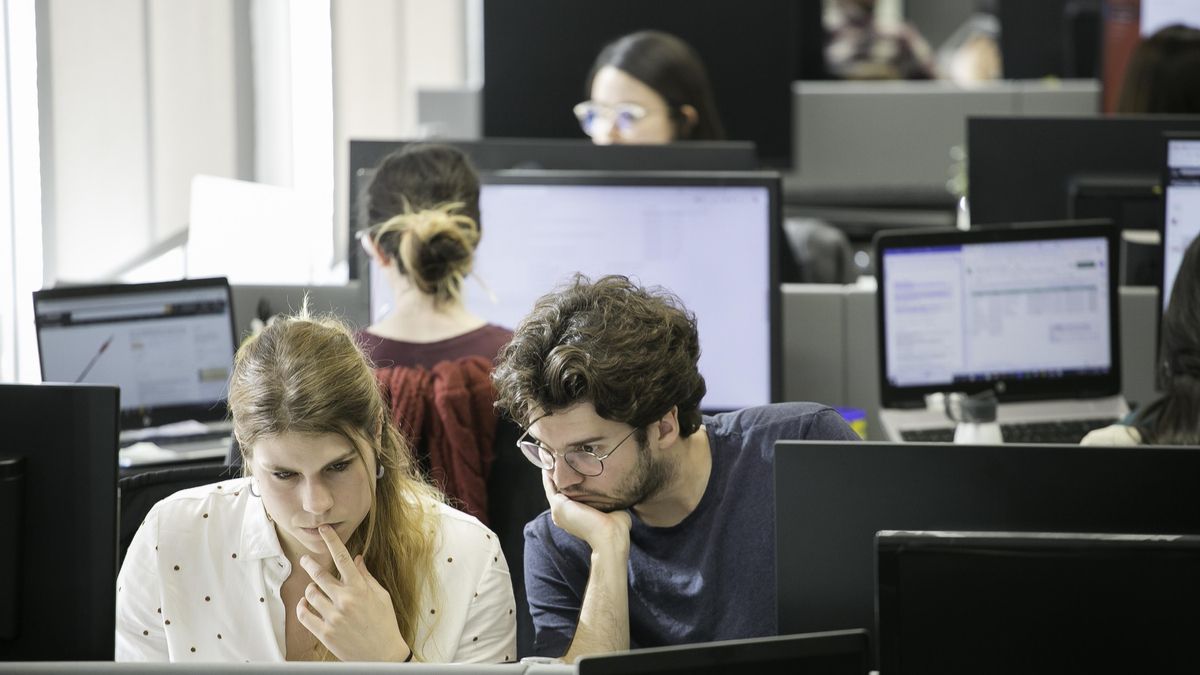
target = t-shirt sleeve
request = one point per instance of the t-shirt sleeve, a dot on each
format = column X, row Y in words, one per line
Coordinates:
column 554, row 589
column 828, row 425
column 140, row 633
column 490, row 632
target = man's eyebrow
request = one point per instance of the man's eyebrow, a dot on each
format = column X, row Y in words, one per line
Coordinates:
column 575, row 444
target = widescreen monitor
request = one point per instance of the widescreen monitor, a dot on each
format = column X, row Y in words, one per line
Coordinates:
column 1003, row 602
column 709, row 238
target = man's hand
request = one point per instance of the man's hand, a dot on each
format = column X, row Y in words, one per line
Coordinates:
column 353, row 617
column 597, row 528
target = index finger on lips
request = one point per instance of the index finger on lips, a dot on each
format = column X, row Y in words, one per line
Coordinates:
column 341, row 557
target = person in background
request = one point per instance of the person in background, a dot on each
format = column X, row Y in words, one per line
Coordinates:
column 1163, row 75
column 661, row 522
column 649, row 87
column 1174, row 418
column 331, row 547
column 423, row 210
column 860, row 49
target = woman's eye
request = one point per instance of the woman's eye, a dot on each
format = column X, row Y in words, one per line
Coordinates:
column 339, row 467
column 283, row 475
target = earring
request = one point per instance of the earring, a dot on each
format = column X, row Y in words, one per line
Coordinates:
column 251, row 488
column 378, row 471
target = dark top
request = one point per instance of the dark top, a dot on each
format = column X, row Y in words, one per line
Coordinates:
column 484, row 341
column 710, row 577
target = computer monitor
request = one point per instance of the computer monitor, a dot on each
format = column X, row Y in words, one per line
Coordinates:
column 566, row 154
column 1029, row 311
column 535, row 71
column 831, row 499
column 709, row 238
column 1024, row 169
column 831, row 653
column 1181, row 212
column 169, row 346
column 991, row 602
column 58, row 538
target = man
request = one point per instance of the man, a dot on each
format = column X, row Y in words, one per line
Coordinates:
column 661, row 524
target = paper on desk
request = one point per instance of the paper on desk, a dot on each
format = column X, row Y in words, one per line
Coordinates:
column 184, row 428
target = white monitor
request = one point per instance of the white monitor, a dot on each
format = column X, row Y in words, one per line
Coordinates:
column 1182, row 209
column 709, row 238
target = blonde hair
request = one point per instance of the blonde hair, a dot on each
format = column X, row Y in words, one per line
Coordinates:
column 435, row 247
column 307, row 375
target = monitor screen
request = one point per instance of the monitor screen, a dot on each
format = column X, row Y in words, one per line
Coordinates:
column 959, row 602
column 708, row 238
column 1024, row 310
column 1182, row 212
column 168, row 346
column 831, row 499
column 58, row 522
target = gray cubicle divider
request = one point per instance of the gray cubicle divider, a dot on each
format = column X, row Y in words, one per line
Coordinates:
column 831, row 355
column 896, row 137
column 348, row 302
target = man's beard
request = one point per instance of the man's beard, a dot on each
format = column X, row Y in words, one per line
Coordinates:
column 648, row 477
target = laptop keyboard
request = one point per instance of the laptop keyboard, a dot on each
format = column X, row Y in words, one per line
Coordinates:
column 1065, row 431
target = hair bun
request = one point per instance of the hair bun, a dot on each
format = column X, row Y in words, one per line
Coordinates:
column 436, row 248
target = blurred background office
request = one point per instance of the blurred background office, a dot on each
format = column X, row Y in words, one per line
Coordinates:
column 116, row 113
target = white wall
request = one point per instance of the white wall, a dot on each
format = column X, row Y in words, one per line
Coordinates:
column 383, row 51
column 138, row 95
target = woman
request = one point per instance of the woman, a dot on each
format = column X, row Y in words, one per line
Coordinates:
column 423, row 206
column 1163, row 75
column 1174, row 418
column 649, row 87
column 330, row 547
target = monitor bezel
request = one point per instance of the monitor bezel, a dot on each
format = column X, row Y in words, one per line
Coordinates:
column 141, row 418
column 1160, row 284
column 769, row 180
column 1012, row 389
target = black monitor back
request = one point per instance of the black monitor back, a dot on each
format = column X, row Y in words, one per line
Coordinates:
column 65, row 587
column 963, row 602
column 1040, row 168
column 538, row 53
column 830, row 653
column 832, row 498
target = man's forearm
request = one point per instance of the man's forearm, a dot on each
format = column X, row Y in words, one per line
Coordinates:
column 604, row 618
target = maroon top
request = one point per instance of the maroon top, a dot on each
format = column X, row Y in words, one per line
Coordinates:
column 484, row 341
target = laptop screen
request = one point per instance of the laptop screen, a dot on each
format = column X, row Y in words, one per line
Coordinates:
column 168, row 346
column 1018, row 310
column 1182, row 220
column 708, row 238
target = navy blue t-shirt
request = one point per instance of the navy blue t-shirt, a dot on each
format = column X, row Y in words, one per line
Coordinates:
column 710, row 577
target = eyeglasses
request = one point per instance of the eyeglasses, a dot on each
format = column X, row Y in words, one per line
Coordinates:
column 624, row 116
column 583, row 460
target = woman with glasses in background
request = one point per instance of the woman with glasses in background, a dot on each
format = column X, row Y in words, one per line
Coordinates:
column 649, row 87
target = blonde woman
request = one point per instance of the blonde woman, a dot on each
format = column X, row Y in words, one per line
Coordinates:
column 423, row 206
column 330, row 548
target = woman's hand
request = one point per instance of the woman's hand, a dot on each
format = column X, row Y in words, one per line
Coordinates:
column 353, row 617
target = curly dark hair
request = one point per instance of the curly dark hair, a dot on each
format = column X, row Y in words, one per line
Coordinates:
column 629, row 351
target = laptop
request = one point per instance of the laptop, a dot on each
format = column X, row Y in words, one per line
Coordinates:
column 1028, row 311
column 169, row 347
column 841, row 652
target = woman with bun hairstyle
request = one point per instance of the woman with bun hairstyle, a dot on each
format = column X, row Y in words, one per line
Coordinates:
column 423, row 206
